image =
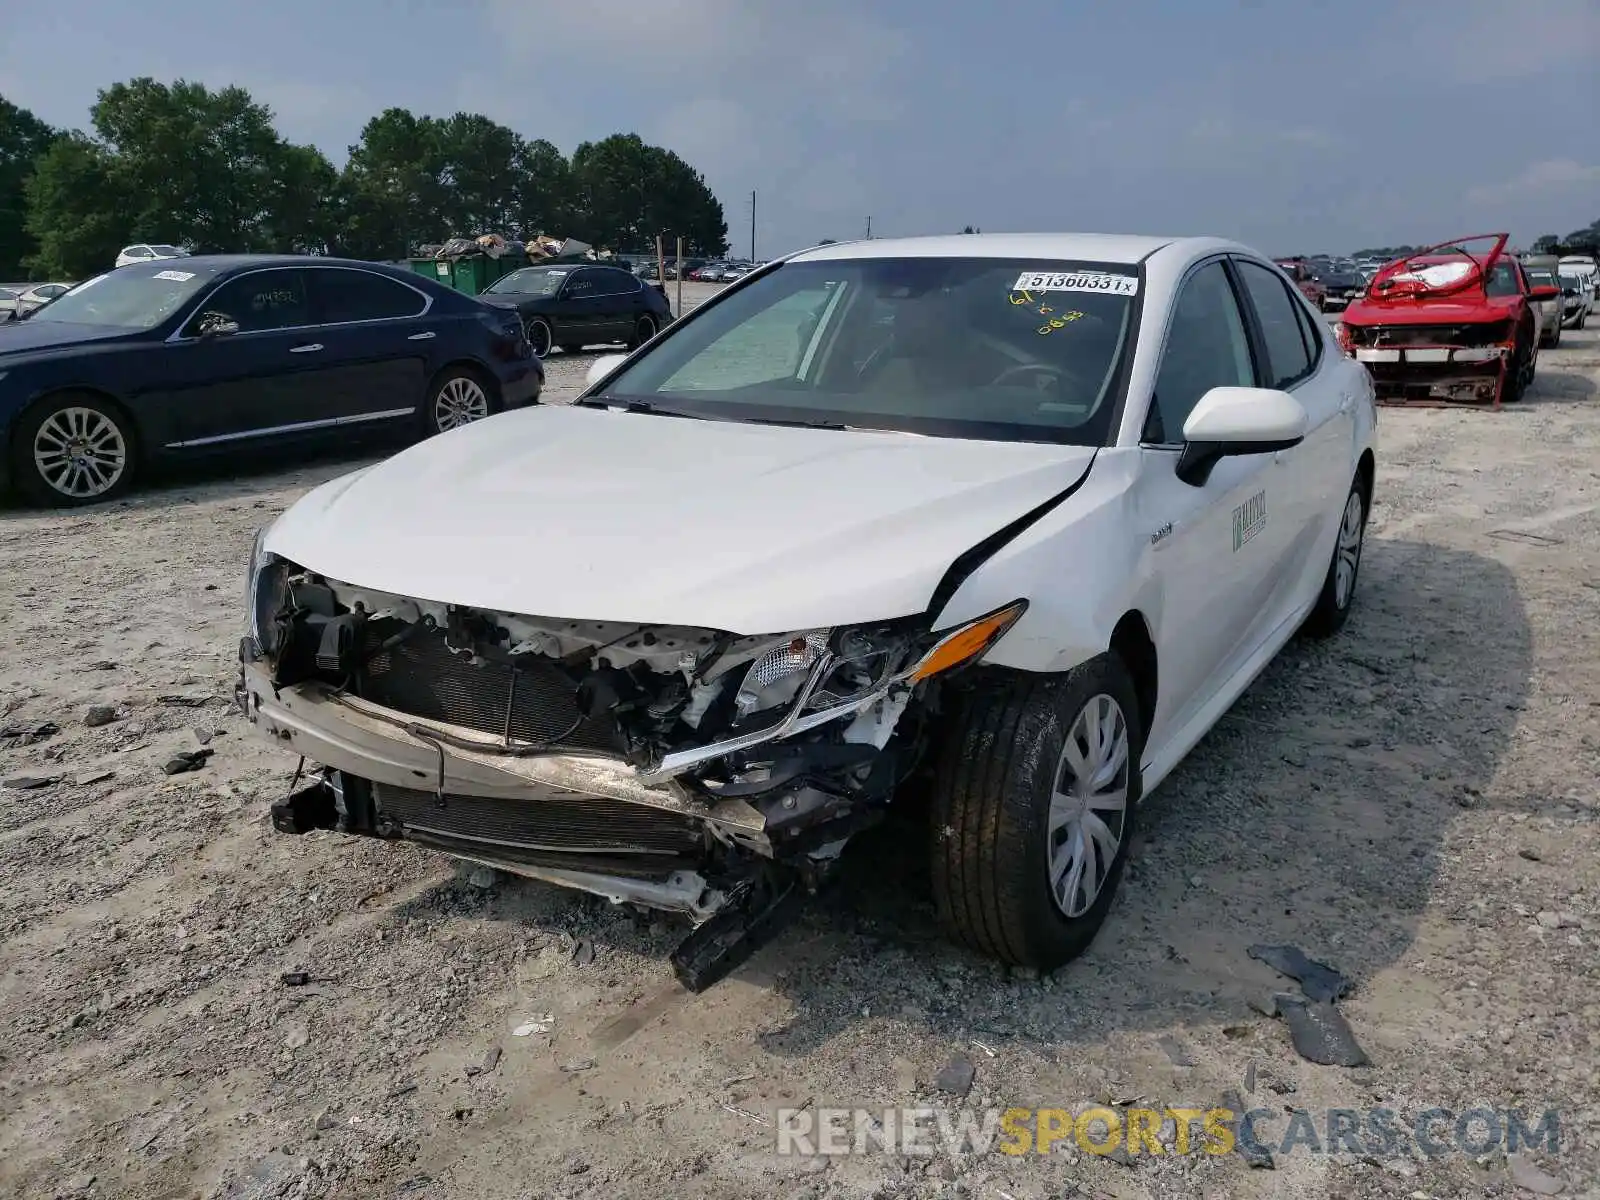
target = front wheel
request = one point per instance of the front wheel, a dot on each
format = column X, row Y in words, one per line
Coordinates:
column 1034, row 809
column 458, row 396
column 1332, row 609
column 72, row 450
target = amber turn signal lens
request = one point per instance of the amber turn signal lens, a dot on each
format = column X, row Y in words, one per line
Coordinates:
column 968, row 642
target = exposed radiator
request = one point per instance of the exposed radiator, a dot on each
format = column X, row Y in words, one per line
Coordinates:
column 531, row 702
column 558, row 822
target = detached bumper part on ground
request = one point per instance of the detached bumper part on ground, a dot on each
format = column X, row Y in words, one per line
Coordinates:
column 558, row 750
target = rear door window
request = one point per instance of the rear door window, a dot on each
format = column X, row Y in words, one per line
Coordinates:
column 609, row 282
column 343, row 295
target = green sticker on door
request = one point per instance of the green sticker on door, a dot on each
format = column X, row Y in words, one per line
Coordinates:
column 1249, row 519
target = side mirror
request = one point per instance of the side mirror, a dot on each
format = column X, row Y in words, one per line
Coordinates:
column 1544, row 291
column 603, row 366
column 1232, row 421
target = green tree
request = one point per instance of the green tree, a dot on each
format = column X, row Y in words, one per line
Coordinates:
column 76, row 209
column 1546, row 243
column 208, row 168
column 627, row 192
column 392, row 193
column 23, row 139
column 544, row 190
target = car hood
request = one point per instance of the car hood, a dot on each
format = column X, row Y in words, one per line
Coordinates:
column 1456, row 310
column 23, row 337
column 596, row 515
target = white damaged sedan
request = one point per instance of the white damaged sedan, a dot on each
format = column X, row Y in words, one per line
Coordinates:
column 1018, row 515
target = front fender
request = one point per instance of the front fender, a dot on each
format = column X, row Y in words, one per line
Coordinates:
column 1080, row 568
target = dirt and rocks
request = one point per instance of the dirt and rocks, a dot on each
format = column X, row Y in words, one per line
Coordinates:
column 192, row 1005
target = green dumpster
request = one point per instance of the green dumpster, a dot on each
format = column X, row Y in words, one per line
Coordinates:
column 467, row 275
column 432, row 268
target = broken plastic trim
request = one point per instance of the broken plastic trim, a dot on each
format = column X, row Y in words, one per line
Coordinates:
column 936, row 660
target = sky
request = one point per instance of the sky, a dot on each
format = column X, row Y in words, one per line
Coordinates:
column 1296, row 126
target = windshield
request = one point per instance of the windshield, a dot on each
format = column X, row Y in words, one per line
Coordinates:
column 1502, row 280
column 984, row 348
column 134, row 297
column 535, row 281
column 1567, row 281
column 1540, row 277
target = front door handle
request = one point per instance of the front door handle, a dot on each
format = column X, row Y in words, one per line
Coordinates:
column 308, row 348
column 420, row 337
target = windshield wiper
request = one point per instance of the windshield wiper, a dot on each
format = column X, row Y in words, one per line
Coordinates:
column 634, row 406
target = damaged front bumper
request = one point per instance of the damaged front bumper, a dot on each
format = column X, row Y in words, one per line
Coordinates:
column 688, row 770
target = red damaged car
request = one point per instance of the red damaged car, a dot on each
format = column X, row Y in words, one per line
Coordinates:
column 1448, row 324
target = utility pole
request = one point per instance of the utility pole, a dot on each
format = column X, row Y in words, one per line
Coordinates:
column 869, row 229
column 752, row 226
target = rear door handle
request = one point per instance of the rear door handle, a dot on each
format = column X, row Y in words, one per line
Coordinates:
column 308, row 348
column 420, row 337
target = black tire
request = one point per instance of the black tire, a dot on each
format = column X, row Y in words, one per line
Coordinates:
column 457, row 396
column 1519, row 373
column 643, row 330
column 1578, row 324
column 108, row 430
column 539, row 335
column 991, row 806
column 1334, row 602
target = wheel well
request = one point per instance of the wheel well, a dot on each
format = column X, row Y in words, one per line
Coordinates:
column 95, row 393
column 1365, row 469
column 485, row 377
column 1131, row 642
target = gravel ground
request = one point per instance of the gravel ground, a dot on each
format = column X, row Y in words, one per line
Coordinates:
column 1414, row 802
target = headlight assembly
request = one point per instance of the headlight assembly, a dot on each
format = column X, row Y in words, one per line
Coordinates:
column 264, row 594
column 830, row 675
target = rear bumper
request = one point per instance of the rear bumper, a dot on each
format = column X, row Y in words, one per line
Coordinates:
column 520, row 386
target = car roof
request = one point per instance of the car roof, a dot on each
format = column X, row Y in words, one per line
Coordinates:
column 1092, row 247
column 228, row 262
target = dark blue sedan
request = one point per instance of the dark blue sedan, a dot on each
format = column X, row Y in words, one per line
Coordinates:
column 212, row 354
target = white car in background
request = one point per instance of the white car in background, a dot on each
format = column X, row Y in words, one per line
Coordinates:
column 1577, row 297
column 1023, row 512
column 8, row 303
column 149, row 252
column 36, row 297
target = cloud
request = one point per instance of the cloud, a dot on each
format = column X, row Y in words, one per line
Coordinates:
column 1536, row 181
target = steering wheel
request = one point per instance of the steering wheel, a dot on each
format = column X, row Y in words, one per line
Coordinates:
column 1045, row 373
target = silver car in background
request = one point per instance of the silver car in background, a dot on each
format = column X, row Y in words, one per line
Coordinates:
column 1541, row 270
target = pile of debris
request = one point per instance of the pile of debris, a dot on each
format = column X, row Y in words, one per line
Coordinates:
column 492, row 245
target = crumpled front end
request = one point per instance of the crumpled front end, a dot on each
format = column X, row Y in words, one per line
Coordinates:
column 1463, row 361
column 675, row 768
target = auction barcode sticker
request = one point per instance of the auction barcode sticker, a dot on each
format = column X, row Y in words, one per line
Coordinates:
column 1077, row 281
